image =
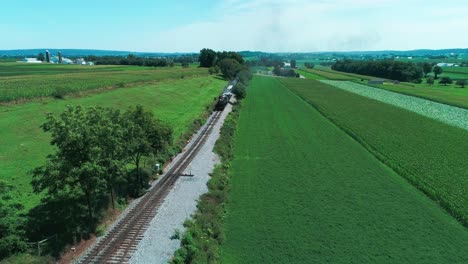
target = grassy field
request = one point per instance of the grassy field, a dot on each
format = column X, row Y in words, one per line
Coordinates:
column 24, row 145
column 20, row 81
column 310, row 75
column 430, row 154
column 302, row 191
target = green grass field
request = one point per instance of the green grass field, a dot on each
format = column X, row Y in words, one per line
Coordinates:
column 25, row 145
column 430, row 154
column 303, row 191
column 20, row 81
column 310, row 75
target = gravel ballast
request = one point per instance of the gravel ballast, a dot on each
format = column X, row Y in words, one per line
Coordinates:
column 451, row 115
column 157, row 245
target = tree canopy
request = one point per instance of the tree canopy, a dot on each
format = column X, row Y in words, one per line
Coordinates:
column 445, row 80
column 437, row 71
column 395, row 70
column 94, row 147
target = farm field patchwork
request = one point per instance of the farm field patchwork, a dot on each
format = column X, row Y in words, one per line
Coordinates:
column 329, row 74
column 23, row 81
column 430, row 154
column 456, row 73
column 445, row 113
column 25, row 145
column 451, row 94
column 303, row 191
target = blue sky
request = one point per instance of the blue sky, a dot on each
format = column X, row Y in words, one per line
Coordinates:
column 267, row 25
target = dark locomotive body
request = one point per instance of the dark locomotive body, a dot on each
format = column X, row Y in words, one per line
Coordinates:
column 224, row 98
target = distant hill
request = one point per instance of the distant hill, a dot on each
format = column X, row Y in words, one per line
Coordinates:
column 87, row 52
column 84, row 52
column 419, row 52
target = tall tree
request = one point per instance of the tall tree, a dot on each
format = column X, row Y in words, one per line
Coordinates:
column 437, row 71
column 293, row 64
column 445, row 81
column 207, row 58
column 427, row 68
column 144, row 135
column 75, row 164
column 41, row 57
column 461, row 83
column 229, row 68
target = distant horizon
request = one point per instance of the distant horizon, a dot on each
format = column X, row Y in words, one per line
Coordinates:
column 253, row 51
column 278, row 26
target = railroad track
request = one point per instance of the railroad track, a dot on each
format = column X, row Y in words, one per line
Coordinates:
column 118, row 245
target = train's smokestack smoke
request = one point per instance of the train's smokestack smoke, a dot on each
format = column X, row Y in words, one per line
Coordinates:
column 60, row 57
column 47, row 56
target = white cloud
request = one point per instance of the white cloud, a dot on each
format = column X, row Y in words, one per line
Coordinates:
column 306, row 25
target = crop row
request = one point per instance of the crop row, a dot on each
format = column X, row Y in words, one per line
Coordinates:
column 445, row 113
column 430, row 154
column 302, row 191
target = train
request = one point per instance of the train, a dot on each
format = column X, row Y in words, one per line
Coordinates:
column 224, row 98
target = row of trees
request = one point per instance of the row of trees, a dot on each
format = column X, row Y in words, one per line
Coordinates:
column 446, row 80
column 284, row 72
column 94, row 147
column 210, row 58
column 229, row 64
column 395, row 70
column 142, row 61
column 130, row 60
column 271, row 61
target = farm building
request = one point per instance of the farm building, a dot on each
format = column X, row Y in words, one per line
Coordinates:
column 80, row 61
column 30, row 60
column 445, row 64
column 56, row 59
column 376, row 81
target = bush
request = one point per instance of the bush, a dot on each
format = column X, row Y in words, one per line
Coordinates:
column 461, row 83
column 59, row 93
column 430, row 80
column 11, row 244
column 445, row 81
column 204, row 234
column 240, row 91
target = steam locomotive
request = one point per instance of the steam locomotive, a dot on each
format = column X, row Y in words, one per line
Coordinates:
column 224, row 98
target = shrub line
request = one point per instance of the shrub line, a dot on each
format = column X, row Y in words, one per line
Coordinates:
column 204, row 232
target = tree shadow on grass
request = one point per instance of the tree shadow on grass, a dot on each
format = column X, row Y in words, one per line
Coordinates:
column 64, row 216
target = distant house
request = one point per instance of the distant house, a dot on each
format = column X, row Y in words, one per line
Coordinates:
column 30, row 60
column 445, row 64
column 376, row 81
column 80, row 61
column 67, row 61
